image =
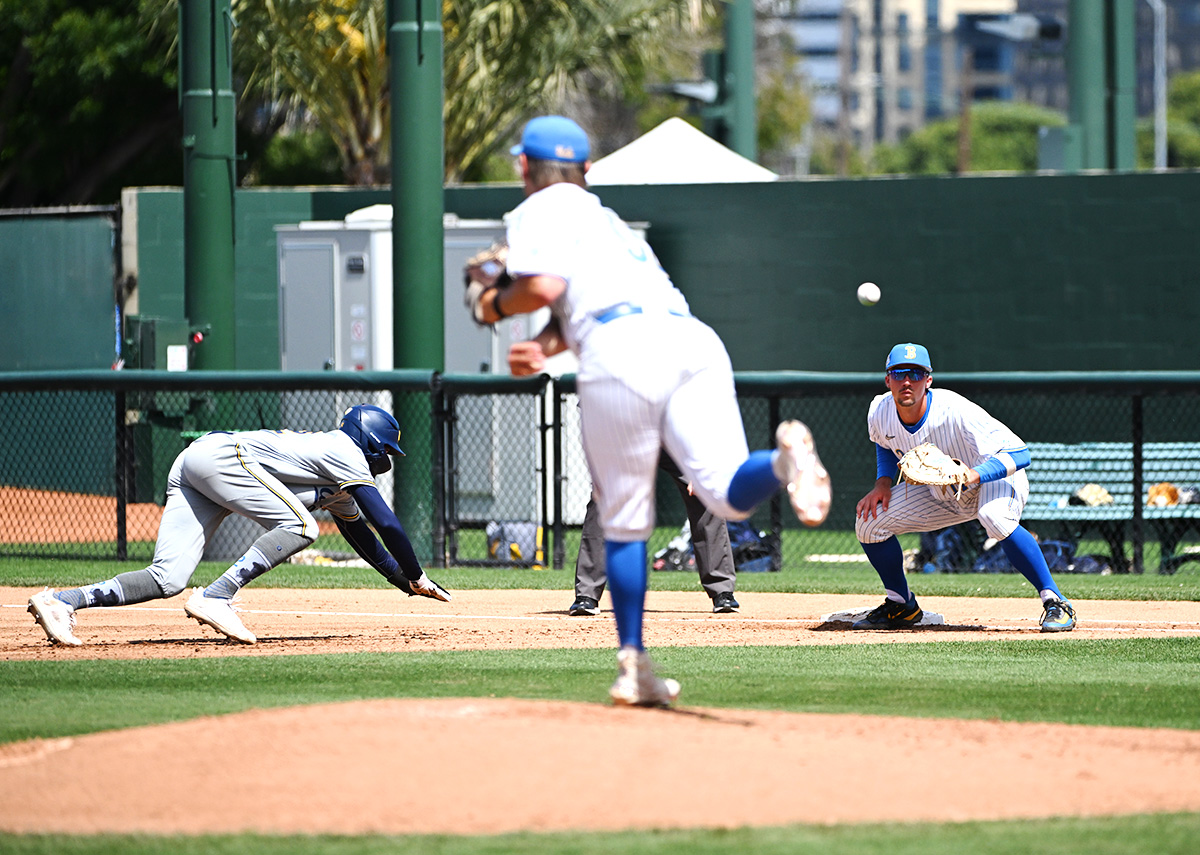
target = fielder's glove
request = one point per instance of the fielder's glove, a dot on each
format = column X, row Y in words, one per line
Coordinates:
column 484, row 270
column 928, row 464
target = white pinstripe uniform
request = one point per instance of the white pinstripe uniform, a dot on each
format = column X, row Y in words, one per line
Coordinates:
column 965, row 431
column 275, row 478
column 650, row 375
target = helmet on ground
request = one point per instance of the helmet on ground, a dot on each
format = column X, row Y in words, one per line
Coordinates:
column 376, row 432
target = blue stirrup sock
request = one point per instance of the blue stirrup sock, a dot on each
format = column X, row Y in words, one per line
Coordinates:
column 888, row 560
column 754, row 481
column 627, row 588
column 1025, row 554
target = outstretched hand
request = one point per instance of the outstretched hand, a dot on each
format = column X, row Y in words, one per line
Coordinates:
column 525, row 358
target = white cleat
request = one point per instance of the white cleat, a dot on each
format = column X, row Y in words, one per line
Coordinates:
column 637, row 685
column 426, row 587
column 55, row 617
column 798, row 467
column 219, row 614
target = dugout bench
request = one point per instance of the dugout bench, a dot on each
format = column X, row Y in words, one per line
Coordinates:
column 1058, row 470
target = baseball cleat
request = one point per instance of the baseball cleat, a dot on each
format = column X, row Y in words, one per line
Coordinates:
column 1057, row 616
column 724, row 604
column 219, row 614
column 423, row 586
column 637, row 685
column 55, row 617
column 799, row 468
column 892, row 615
column 584, row 606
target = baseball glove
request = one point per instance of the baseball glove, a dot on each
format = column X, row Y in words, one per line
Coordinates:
column 928, row 464
column 484, row 270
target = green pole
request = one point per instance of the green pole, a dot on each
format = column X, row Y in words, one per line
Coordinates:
column 418, row 165
column 1086, row 80
column 1123, row 83
column 739, row 70
column 207, row 103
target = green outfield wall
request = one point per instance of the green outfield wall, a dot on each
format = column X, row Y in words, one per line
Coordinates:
column 56, row 290
column 1002, row 273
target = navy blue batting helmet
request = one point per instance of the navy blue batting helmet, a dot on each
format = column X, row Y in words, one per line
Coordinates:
column 376, row 432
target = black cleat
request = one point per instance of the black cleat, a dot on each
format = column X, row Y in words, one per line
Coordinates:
column 724, row 604
column 892, row 615
column 584, row 606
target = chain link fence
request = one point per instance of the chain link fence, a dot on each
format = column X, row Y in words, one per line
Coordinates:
column 84, row 456
column 495, row 473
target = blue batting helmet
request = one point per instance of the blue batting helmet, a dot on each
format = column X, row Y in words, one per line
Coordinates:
column 376, row 432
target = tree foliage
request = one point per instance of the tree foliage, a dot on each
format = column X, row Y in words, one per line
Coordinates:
column 324, row 63
column 1004, row 138
column 1183, row 126
column 508, row 59
column 1183, row 98
column 87, row 93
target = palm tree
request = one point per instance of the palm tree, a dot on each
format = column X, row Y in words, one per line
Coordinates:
column 324, row 61
column 503, row 60
column 508, row 58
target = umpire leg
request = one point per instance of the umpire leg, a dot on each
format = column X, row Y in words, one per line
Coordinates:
column 710, row 537
column 590, row 573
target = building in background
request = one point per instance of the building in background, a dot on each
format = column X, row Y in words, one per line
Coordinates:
column 1040, row 74
column 879, row 69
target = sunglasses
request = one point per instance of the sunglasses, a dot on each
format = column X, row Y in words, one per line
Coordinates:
column 914, row 375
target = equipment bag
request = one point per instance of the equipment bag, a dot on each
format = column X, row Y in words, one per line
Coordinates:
column 515, row 542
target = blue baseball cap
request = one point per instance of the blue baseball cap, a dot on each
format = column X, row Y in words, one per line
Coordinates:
column 553, row 138
column 908, row 354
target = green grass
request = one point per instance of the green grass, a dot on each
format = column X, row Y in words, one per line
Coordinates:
column 1134, row 682
column 813, row 579
column 1166, row 834
column 1127, row 682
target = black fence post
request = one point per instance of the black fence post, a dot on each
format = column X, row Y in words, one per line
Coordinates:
column 556, row 432
column 437, row 408
column 121, row 474
column 1138, row 534
column 450, row 527
column 543, row 431
column 773, row 418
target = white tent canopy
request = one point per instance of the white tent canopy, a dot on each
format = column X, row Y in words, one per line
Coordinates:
column 676, row 153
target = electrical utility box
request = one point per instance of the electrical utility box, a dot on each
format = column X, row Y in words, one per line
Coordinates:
column 335, row 295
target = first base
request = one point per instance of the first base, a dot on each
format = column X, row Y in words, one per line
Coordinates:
column 927, row 618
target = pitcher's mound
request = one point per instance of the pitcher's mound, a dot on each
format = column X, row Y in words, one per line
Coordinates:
column 483, row 766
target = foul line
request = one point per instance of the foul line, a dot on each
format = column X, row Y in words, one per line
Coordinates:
column 1114, row 626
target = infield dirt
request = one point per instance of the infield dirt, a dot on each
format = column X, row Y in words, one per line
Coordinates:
column 494, row 765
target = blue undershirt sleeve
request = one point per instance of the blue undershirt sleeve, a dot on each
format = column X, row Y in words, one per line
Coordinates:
column 886, row 465
column 1003, row 464
column 359, row 535
column 390, row 531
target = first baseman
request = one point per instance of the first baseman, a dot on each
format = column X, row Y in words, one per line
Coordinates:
column 275, row 478
column 912, row 413
column 651, row 377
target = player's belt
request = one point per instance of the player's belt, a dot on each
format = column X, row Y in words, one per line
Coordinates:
column 621, row 310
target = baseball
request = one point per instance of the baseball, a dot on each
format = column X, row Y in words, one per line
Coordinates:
column 868, row 293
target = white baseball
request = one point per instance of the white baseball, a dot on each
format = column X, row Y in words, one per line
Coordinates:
column 868, row 293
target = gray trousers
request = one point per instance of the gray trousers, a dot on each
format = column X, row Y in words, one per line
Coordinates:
column 710, row 541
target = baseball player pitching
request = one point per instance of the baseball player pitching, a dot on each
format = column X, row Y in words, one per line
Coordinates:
column 276, row 478
column 991, row 486
column 651, row 376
